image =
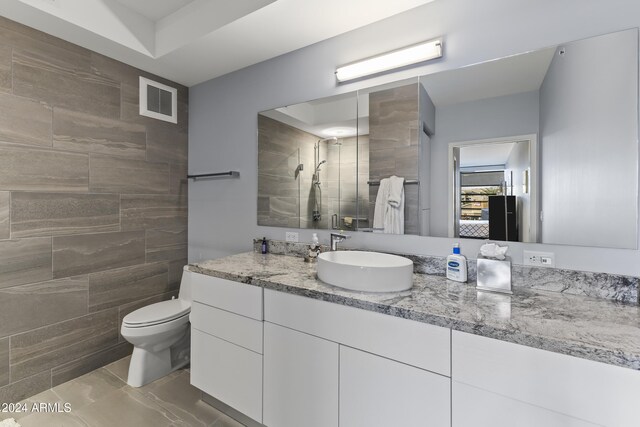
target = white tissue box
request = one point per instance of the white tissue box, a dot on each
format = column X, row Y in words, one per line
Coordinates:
column 494, row 275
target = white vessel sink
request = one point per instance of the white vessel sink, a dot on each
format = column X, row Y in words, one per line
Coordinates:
column 366, row 271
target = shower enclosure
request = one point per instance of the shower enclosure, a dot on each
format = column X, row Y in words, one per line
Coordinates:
column 306, row 180
column 316, row 184
column 330, row 195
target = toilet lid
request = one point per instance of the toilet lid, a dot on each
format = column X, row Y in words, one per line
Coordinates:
column 159, row 312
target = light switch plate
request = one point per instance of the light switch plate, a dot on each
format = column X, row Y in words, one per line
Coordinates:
column 539, row 259
column 291, row 236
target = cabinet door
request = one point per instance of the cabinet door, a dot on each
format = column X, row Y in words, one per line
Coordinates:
column 300, row 379
column 229, row 373
column 375, row 391
column 592, row 391
column 473, row 407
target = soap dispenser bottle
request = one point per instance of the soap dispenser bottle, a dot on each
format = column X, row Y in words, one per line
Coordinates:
column 457, row 265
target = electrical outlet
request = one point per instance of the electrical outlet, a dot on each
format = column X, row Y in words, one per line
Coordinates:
column 291, row 236
column 539, row 259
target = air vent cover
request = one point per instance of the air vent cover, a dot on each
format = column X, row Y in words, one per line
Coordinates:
column 158, row 101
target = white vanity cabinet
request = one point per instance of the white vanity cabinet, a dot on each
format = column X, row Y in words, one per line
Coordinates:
column 286, row 360
column 327, row 365
column 226, row 342
column 500, row 384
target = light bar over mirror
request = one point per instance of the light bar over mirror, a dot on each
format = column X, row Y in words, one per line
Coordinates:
column 410, row 55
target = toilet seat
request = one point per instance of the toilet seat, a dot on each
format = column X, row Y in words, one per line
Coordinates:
column 154, row 314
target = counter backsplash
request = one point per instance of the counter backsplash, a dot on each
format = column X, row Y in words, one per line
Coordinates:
column 599, row 285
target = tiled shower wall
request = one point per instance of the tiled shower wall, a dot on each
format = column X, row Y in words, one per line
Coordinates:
column 285, row 196
column 285, row 193
column 93, row 208
column 394, row 146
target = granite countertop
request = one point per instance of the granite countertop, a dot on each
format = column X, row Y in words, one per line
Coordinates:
column 590, row 328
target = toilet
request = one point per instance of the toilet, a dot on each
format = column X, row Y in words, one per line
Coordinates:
column 160, row 335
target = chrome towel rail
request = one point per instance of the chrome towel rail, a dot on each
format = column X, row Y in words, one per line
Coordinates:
column 406, row 182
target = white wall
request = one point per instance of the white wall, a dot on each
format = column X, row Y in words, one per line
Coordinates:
column 222, row 122
column 592, row 200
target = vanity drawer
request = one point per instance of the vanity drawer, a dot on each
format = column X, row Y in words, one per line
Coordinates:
column 239, row 298
column 414, row 343
column 240, row 330
column 595, row 392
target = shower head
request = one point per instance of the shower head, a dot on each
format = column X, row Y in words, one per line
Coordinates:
column 316, row 176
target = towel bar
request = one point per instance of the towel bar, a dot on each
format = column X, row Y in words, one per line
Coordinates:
column 214, row 175
column 406, row 182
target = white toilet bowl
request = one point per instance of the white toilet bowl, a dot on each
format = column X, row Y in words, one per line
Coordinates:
column 160, row 335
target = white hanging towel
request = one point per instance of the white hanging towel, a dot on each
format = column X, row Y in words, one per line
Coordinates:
column 394, row 211
column 382, row 200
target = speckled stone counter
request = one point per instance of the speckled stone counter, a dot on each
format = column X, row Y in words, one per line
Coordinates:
column 590, row 328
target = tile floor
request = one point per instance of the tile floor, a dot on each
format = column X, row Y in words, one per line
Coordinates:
column 103, row 398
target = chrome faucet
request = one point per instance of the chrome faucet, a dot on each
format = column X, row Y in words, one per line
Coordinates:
column 337, row 238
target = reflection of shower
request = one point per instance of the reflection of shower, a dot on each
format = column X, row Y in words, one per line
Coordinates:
column 315, row 180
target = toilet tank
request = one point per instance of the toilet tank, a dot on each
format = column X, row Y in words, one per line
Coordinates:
column 185, row 284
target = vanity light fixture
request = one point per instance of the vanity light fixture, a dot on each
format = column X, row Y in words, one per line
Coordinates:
column 409, row 55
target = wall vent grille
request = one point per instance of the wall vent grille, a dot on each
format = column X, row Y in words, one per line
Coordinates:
column 158, row 101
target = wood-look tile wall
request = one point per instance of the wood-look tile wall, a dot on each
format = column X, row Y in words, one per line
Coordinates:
column 394, row 146
column 284, row 192
column 93, row 208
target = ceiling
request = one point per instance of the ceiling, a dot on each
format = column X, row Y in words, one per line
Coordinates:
column 334, row 116
column 491, row 154
column 155, row 10
column 191, row 41
column 501, row 77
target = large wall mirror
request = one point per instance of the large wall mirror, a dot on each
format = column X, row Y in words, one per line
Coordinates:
column 540, row 147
